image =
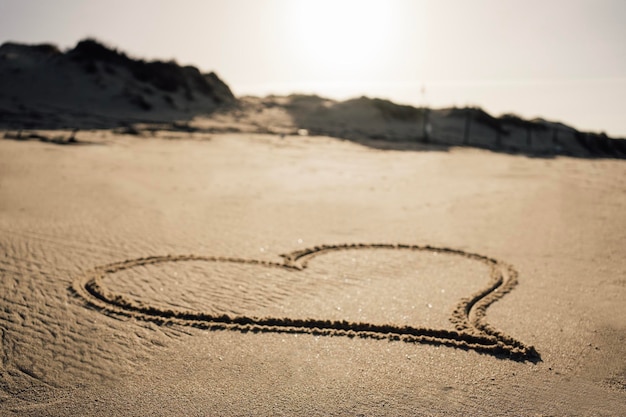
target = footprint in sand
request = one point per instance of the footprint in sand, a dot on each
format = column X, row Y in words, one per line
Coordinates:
column 381, row 291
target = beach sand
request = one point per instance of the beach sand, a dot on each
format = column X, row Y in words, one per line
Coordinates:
column 196, row 223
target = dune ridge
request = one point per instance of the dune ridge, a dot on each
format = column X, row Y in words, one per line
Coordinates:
column 94, row 86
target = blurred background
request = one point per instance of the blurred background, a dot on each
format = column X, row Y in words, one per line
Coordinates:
column 560, row 60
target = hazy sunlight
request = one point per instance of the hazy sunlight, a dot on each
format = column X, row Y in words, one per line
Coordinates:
column 340, row 39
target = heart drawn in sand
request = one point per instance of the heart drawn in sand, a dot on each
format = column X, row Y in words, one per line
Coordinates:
column 471, row 330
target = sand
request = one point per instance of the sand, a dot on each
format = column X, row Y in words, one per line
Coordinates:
column 143, row 276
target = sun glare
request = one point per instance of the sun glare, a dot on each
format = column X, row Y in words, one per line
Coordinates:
column 340, row 39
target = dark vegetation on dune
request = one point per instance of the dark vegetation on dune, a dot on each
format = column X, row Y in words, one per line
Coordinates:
column 499, row 124
column 96, row 86
column 389, row 110
column 166, row 76
column 164, row 92
column 404, row 127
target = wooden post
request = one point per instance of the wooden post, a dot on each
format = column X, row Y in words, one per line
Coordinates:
column 425, row 125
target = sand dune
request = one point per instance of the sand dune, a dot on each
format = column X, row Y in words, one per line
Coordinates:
column 94, row 86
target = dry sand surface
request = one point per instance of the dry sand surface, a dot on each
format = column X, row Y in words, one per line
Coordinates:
column 143, row 276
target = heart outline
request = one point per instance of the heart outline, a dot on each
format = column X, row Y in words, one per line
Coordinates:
column 469, row 316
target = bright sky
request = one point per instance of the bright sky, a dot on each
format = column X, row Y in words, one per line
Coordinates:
column 559, row 59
